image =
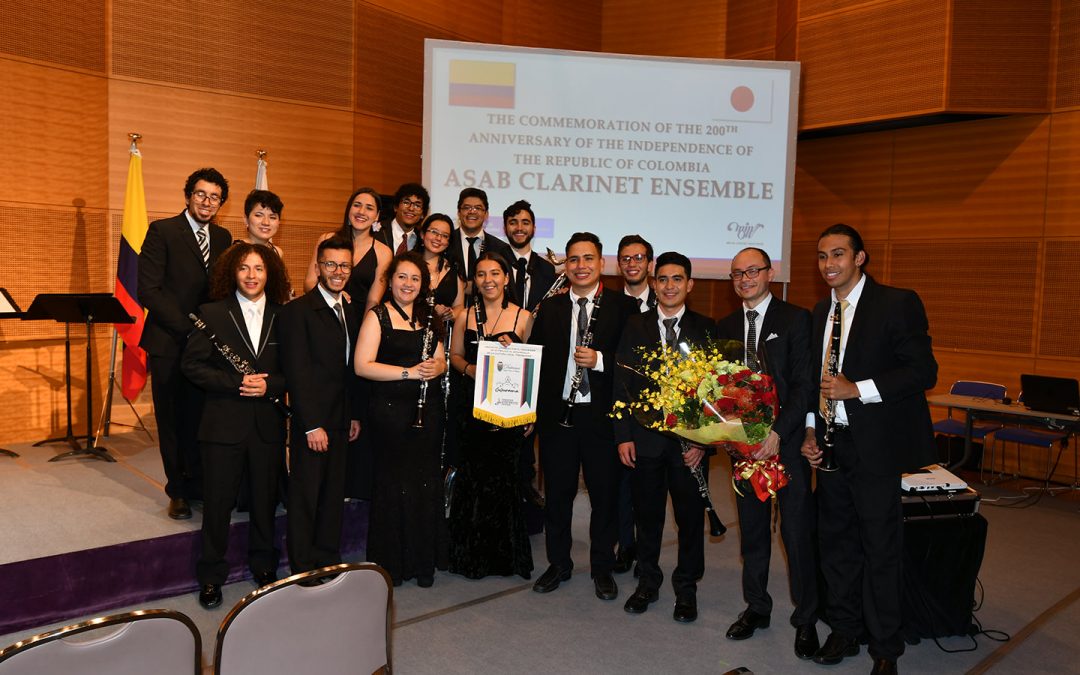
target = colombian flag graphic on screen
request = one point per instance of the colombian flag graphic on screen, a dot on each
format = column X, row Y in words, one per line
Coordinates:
column 482, row 84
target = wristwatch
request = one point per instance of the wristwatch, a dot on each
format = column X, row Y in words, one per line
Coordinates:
column 404, row 373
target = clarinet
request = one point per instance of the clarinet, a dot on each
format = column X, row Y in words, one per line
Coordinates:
column 235, row 360
column 828, row 460
column 716, row 528
column 579, row 374
column 425, row 354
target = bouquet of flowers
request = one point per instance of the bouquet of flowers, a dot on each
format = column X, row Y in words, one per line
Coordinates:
column 700, row 395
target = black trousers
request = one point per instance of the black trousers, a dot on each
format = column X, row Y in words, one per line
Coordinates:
column 589, row 446
column 651, row 481
column 798, row 522
column 223, row 470
column 860, row 529
column 178, row 410
column 316, row 502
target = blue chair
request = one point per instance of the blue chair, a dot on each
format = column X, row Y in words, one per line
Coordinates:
column 1036, row 438
column 955, row 427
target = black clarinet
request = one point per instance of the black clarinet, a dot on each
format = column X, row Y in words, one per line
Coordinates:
column 579, row 374
column 832, row 366
column 235, row 360
column 716, row 528
column 425, row 354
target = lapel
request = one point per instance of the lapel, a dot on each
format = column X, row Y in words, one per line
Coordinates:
column 860, row 324
column 650, row 299
column 240, row 323
column 188, row 235
column 652, row 328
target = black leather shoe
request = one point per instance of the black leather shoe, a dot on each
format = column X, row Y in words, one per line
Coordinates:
column 748, row 622
column 640, row 600
column 425, row 581
column 264, row 578
column 836, row 649
column 210, row 596
column 605, row 586
column 685, row 608
column 806, row 641
column 179, row 509
column 884, row 667
column 551, row 579
column 624, row 559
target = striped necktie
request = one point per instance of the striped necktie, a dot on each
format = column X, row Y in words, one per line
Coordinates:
column 204, row 245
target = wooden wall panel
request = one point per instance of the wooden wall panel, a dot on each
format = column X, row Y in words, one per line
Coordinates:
column 976, row 179
column 1001, row 369
column 69, row 33
column 645, row 27
column 471, row 20
column 877, row 61
column 1063, row 179
column 806, row 286
column 812, row 8
column 1060, row 312
column 311, row 151
column 843, row 179
column 387, row 155
column 555, row 24
column 261, row 47
column 1000, row 58
column 751, row 27
column 53, row 136
column 1067, row 55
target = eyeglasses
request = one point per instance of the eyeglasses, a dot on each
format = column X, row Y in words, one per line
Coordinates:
column 439, row 235
column 203, row 197
column 470, row 209
column 749, row 272
column 626, row 259
column 331, row 266
column 412, row 205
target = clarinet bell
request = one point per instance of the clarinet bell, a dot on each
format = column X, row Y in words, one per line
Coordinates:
column 568, row 416
column 716, row 528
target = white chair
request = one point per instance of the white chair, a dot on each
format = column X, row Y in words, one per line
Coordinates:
column 332, row 620
column 159, row 641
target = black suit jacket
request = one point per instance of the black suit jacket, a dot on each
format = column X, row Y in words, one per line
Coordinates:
column 323, row 389
column 784, row 342
column 552, row 329
column 491, row 243
column 173, row 281
column 386, row 234
column 541, row 276
column 643, row 331
column 889, row 343
column 650, row 299
column 228, row 417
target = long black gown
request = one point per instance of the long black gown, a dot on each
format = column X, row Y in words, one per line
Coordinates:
column 358, row 461
column 487, row 519
column 407, row 499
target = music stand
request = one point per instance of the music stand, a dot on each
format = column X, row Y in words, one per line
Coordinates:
column 9, row 309
column 69, row 308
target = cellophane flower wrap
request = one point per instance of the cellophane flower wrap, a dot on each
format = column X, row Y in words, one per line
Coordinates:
column 707, row 399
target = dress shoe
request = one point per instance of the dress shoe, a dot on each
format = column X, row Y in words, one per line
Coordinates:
column 264, row 578
column 748, row 622
column 551, row 579
column 685, row 608
column 836, row 649
column 884, row 667
column 179, row 509
column 640, row 600
column 605, row 586
column 624, row 559
column 210, row 596
column 806, row 641
column 425, row 581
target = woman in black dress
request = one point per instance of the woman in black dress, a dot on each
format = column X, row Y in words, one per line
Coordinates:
column 433, row 244
column 371, row 257
column 406, row 503
column 487, row 521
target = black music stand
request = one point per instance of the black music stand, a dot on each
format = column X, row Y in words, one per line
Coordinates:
column 9, row 309
column 69, row 308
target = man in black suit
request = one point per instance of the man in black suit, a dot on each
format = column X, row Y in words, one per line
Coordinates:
column 656, row 462
column 411, row 203
column 242, row 432
column 635, row 258
column 173, row 272
column 881, row 428
column 580, row 331
column 469, row 240
column 533, row 275
column 776, row 336
column 318, row 338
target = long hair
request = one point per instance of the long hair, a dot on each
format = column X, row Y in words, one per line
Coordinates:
column 346, row 231
column 421, row 310
column 223, row 275
column 419, row 245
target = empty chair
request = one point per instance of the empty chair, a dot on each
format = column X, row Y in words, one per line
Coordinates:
column 332, row 620
column 1022, row 436
column 159, row 641
column 955, row 427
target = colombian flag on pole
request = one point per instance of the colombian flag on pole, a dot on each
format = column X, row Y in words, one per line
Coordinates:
column 127, row 274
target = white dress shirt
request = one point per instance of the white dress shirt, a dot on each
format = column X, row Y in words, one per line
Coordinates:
column 571, row 367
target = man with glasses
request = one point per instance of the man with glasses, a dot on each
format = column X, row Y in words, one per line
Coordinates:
column 174, row 266
column 635, row 258
column 470, row 240
column 318, row 340
column 776, row 338
column 411, row 203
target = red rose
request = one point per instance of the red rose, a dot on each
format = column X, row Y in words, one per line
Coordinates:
column 671, row 420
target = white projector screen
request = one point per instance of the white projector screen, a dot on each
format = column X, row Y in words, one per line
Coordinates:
column 695, row 155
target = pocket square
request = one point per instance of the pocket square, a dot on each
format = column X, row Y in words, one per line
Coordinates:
column 772, row 336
